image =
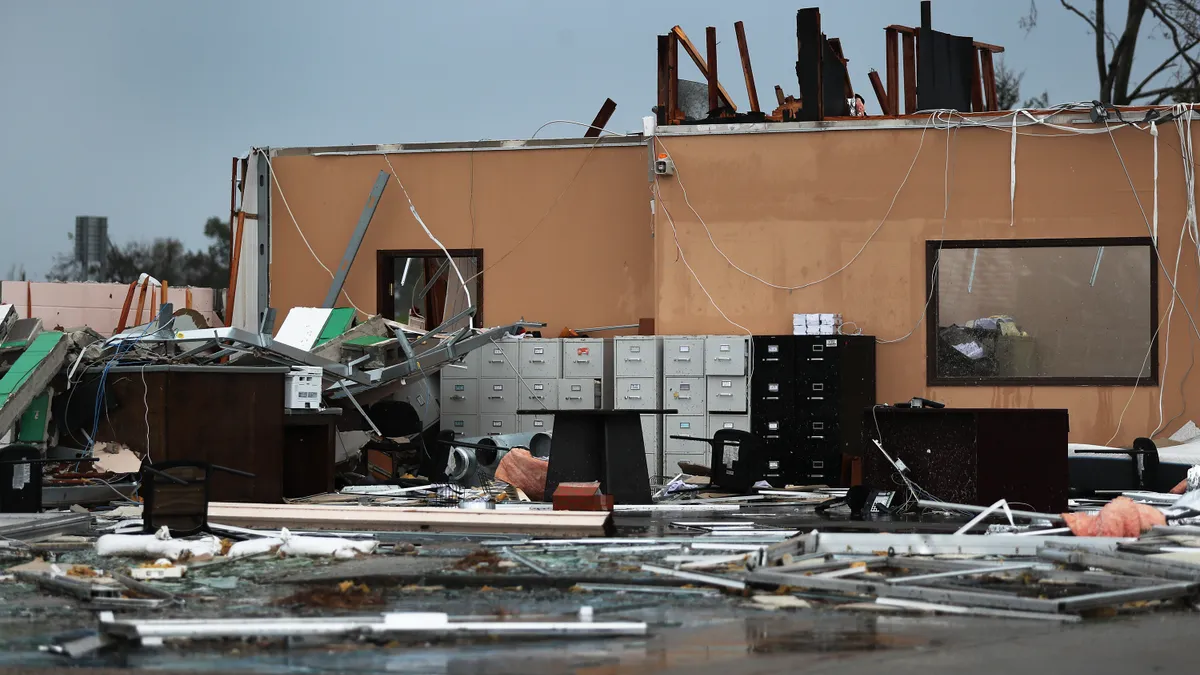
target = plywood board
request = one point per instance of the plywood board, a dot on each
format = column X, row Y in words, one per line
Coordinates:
column 392, row 519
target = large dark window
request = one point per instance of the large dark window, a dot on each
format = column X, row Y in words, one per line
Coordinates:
column 421, row 288
column 1042, row 312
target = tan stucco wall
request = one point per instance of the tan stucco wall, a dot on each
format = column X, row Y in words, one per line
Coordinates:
column 793, row 208
column 589, row 263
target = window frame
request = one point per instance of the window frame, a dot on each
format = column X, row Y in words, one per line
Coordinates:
column 933, row 248
column 385, row 272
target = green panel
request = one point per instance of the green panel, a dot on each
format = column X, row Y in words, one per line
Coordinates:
column 366, row 340
column 32, row 427
column 338, row 322
column 13, row 344
column 27, row 362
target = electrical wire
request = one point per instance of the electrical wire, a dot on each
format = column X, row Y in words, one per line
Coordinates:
column 420, row 221
column 545, row 215
column 146, row 403
column 578, row 124
column 282, row 196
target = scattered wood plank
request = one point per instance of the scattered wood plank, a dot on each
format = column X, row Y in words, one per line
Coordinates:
column 893, row 72
column 880, row 93
column 403, row 519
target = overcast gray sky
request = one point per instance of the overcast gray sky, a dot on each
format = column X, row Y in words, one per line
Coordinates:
column 132, row 109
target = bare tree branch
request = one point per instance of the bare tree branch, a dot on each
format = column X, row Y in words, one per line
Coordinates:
column 1170, row 22
column 1137, row 91
column 1083, row 16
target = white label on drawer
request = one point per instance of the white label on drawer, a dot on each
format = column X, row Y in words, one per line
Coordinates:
column 635, row 349
column 772, row 349
column 497, row 424
column 818, row 386
column 577, row 387
column 773, row 465
column 459, row 424
column 539, row 387
column 727, row 425
column 726, row 384
column 497, row 387
column 724, row 348
column 635, row 387
column 773, row 426
column 685, row 425
column 685, row 386
column 683, row 349
column 773, row 387
column 539, row 350
column 539, row 423
column 498, row 351
column 460, row 387
column 831, row 343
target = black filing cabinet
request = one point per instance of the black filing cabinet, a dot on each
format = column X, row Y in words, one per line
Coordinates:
column 808, row 394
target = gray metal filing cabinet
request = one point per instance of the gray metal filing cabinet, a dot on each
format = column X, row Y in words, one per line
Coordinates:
column 499, row 360
column 676, row 450
column 683, row 356
column 637, row 368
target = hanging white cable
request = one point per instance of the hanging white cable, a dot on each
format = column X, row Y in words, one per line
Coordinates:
column 1167, row 340
column 683, row 258
column 937, row 263
column 578, row 124
column 1154, row 233
column 891, row 206
column 282, row 196
column 1012, row 176
column 412, row 207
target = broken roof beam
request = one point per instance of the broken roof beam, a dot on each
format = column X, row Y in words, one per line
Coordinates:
column 701, row 64
column 602, row 118
column 714, row 97
column 881, row 94
column 663, row 109
column 810, row 48
column 909, row 30
column 747, row 70
column 835, row 44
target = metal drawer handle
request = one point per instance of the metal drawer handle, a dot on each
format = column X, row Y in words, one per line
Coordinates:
column 537, row 398
column 725, row 393
column 685, row 398
column 634, row 358
column 537, row 360
column 634, row 397
column 456, row 397
column 495, row 398
column 574, row 398
column 495, row 360
column 724, row 358
column 683, row 358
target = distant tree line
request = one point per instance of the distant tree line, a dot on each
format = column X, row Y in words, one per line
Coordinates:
column 162, row 258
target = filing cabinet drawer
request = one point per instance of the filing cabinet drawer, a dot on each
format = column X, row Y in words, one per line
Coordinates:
column 528, row 424
column 537, row 394
column 768, row 389
column 636, row 393
column 725, row 355
column 461, row 425
column 498, row 396
column 578, row 394
column 726, row 394
column 671, row 462
column 540, row 358
column 684, row 425
column 683, row 357
column 775, row 428
column 774, row 354
column 468, row 369
column 820, row 428
column 495, row 425
column 636, row 357
column 499, row 359
column 583, row 357
column 718, row 422
column 460, row 397
column 685, row 394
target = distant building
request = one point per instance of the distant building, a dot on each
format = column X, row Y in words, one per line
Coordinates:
column 91, row 246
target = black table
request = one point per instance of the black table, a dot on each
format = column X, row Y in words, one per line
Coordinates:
column 600, row 445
